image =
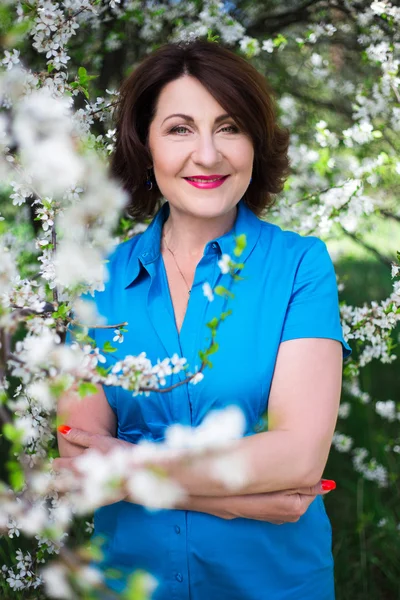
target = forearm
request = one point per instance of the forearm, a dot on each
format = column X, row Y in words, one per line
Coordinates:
column 252, row 506
column 225, row 507
column 270, row 461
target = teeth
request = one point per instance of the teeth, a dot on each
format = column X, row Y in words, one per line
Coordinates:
column 204, row 180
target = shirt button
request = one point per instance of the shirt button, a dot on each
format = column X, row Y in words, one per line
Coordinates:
column 179, row 577
column 177, row 529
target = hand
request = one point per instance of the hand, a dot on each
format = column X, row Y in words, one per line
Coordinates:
column 286, row 506
column 85, row 441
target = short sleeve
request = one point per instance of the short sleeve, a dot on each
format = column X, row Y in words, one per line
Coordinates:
column 313, row 309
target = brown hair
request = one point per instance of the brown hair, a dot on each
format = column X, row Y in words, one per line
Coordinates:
column 236, row 85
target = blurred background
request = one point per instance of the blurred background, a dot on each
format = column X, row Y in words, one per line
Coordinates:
column 334, row 66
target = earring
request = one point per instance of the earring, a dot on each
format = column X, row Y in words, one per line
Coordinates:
column 251, row 179
column 149, row 183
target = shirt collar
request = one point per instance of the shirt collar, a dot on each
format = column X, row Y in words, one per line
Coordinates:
column 147, row 248
column 246, row 223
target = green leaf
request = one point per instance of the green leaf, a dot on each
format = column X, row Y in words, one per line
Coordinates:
column 213, row 323
column 11, row 433
column 213, row 348
column 17, row 479
column 279, row 40
column 225, row 314
column 108, row 348
column 60, row 385
column 220, row 290
column 83, row 338
column 16, row 474
column 138, row 586
column 103, row 371
column 211, row 37
column 241, row 243
column 82, row 74
column 86, row 388
column 62, row 311
column 204, row 359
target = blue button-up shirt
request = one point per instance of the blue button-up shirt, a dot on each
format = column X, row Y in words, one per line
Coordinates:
column 288, row 291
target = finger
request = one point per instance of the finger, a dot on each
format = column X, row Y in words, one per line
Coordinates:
column 322, row 487
column 77, row 436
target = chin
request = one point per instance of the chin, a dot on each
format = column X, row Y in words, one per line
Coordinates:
column 211, row 212
column 207, row 208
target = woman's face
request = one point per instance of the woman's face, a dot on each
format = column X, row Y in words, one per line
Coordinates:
column 204, row 142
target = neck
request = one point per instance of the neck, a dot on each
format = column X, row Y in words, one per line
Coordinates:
column 188, row 235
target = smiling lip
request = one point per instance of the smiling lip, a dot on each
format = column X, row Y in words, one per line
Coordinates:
column 206, row 182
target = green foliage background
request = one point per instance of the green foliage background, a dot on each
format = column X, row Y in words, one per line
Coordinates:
column 367, row 556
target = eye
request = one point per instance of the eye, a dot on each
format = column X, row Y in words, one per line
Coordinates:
column 175, row 129
column 232, row 127
column 178, row 129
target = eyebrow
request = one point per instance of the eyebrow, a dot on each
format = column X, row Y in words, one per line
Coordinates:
column 191, row 120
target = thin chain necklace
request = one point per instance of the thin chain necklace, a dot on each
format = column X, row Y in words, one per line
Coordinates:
column 177, row 266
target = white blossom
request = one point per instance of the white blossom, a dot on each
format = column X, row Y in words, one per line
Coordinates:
column 153, row 490
column 387, row 410
column 118, row 337
column 344, row 410
column 342, row 442
column 268, row 46
column 224, row 263
column 250, row 46
column 207, row 291
column 199, row 376
column 11, row 58
column 217, row 430
column 55, row 577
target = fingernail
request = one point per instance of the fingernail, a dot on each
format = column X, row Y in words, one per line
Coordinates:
column 328, row 485
column 64, row 429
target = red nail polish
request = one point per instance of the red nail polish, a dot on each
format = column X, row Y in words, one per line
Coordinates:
column 64, row 429
column 328, row 485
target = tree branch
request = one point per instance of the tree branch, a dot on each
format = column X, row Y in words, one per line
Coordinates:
column 54, row 242
column 390, row 215
column 383, row 259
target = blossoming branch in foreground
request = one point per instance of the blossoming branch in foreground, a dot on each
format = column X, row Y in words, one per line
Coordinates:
column 85, row 216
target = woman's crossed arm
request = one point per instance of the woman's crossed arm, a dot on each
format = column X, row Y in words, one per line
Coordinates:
column 302, row 411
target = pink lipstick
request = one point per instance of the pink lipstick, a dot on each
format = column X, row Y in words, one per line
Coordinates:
column 206, row 182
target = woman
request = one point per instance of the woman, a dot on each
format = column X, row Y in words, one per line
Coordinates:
column 200, row 121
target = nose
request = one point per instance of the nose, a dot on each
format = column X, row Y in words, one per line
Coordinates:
column 206, row 152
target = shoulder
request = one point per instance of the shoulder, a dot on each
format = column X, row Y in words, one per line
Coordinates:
column 290, row 245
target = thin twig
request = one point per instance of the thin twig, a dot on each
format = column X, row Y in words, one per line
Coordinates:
column 29, row 312
column 390, row 215
column 204, row 363
column 54, row 243
column 117, row 326
column 383, row 259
